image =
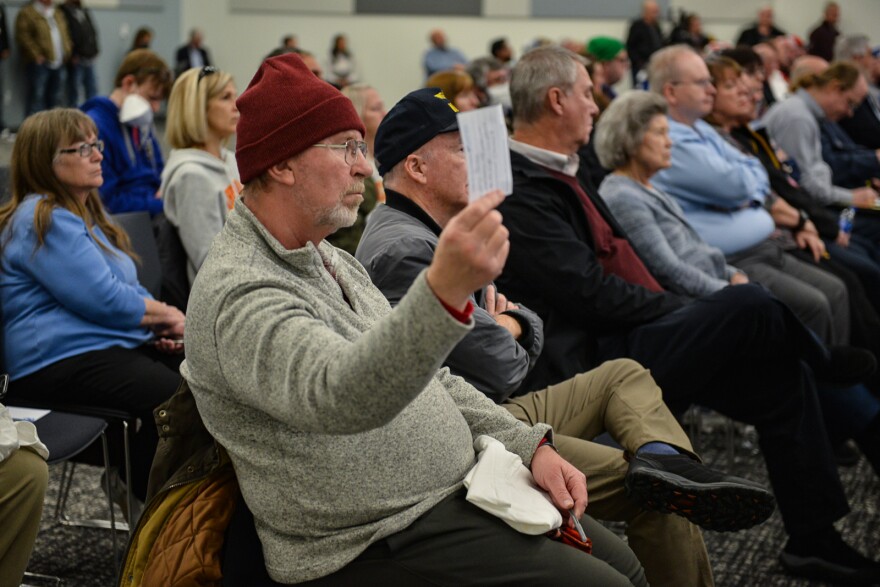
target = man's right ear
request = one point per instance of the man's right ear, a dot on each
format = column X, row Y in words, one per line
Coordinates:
column 283, row 173
column 128, row 83
column 414, row 166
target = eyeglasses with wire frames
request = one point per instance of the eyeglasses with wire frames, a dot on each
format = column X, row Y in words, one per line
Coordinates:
column 703, row 83
column 351, row 146
column 85, row 149
column 205, row 71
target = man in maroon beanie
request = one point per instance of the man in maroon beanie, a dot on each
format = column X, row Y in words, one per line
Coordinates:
column 349, row 445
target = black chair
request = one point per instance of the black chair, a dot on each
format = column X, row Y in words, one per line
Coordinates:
column 139, row 227
column 66, row 436
column 107, row 416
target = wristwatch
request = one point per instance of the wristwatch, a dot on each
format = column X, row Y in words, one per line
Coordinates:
column 804, row 218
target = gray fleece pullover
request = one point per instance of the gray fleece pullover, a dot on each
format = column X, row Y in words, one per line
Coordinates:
column 197, row 190
column 340, row 426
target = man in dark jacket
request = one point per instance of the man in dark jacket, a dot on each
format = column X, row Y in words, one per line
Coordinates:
column 192, row 54
column 81, row 66
column 762, row 30
column 737, row 351
column 644, row 38
column 419, row 150
column 823, row 37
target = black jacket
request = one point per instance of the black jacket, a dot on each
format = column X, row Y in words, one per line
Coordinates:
column 181, row 59
column 752, row 36
column 758, row 143
column 552, row 268
column 5, row 42
column 863, row 126
column 851, row 164
column 83, row 34
column 641, row 42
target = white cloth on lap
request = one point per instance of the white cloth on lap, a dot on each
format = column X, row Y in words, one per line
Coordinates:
column 501, row 485
column 15, row 435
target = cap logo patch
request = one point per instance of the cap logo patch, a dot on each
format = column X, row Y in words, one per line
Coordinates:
column 442, row 96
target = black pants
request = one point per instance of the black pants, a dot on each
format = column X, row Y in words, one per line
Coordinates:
column 455, row 543
column 134, row 380
column 740, row 352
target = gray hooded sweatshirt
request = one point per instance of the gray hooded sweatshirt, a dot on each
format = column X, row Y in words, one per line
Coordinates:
column 198, row 190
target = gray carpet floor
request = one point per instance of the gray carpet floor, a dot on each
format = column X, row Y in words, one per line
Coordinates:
column 83, row 557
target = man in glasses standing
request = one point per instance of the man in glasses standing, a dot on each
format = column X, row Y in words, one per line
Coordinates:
column 133, row 163
column 349, row 445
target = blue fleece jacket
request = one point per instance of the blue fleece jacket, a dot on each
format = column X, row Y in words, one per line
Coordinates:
column 66, row 297
column 132, row 171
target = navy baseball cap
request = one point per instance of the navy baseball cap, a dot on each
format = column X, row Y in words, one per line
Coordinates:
column 418, row 117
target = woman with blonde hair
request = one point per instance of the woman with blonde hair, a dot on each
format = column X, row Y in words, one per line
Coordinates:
column 77, row 325
column 200, row 181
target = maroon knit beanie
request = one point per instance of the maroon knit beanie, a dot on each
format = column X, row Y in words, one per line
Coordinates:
column 285, row 110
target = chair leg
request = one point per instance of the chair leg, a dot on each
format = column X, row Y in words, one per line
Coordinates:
column 130, row 500
column 729, row 430
column 40, row 578
column 105, row 446
column 67, row 471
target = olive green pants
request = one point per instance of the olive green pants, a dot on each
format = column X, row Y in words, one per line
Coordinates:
column 23, row 478
column 621, row 398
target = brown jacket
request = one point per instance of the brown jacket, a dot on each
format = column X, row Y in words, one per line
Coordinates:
column 179, row 538
column 34, row 37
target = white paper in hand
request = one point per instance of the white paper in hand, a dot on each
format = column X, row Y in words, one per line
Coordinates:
column 484, row 136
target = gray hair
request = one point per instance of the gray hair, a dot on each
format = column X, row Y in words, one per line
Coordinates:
column 479, row 70
column 663, row 66
column 621, row 129
column 851, row 47
column 536, row 72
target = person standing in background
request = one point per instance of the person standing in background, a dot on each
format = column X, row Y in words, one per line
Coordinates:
column 644, row 38
column 143, row 37
column 823, row 37
column 342, row 65
column 42, row 37
column 84, row 38
column 762, row 30
column 192, row 54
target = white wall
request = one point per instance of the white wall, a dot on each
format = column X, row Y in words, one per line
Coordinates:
column 389, row 49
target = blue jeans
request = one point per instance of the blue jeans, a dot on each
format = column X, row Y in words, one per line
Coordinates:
column 81, row 74
column 44, row 84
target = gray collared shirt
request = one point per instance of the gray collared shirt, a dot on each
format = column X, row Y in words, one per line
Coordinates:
column 565, row 164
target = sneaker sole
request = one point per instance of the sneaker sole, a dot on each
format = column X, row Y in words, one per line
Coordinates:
column 722, row 507
column 819, row 569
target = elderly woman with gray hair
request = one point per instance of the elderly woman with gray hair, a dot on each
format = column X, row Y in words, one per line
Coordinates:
column 632, row 138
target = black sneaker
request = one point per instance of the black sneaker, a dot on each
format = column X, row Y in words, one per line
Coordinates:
column 826, row 557
column 846, row 366
column 678, row 484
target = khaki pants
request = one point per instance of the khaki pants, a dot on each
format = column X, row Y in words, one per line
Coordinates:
column 23, row 478
column 621, row 398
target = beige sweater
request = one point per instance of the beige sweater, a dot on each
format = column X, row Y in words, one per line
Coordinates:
column 340, row 426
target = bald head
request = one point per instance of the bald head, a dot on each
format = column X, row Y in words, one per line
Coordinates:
column 438, row 38
column 650, row 11
column 807, row 65
column 769, row 57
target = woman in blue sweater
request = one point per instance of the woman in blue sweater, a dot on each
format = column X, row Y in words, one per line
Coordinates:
column 77, row 325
